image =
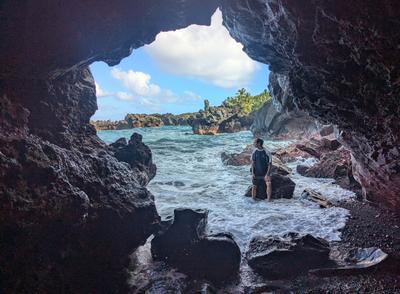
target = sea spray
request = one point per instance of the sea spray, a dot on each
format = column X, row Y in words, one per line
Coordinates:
column 190, row 173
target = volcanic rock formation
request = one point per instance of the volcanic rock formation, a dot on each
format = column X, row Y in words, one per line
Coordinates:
column 70, row 211
column 340, row 61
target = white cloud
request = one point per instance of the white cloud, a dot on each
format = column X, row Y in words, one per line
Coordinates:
column 100, row 92
column 124, row 96
column 207, row 53
column 141, row 90
column 137, row 82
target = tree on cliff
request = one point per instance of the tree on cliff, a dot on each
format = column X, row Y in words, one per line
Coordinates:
column 245, row 102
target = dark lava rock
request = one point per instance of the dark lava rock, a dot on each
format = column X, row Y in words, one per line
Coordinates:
column 244, row 158
column 137, row 155
column 335, row 66
column 337, row 165
column 71, row 213
column 282, row 187
column 185, row 245
column 327, row 130
column 282, row 257
column 302, row 169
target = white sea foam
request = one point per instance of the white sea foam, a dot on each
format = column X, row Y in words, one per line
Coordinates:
column 190, row 174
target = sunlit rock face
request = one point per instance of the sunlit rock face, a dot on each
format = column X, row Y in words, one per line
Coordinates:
column 340, row 61
column 71, row 212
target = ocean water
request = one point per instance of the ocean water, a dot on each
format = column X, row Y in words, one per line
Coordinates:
column 190, row 173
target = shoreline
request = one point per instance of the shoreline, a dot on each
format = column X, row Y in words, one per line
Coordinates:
column 367, row 226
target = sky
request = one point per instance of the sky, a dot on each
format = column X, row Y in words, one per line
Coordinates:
column 176, row 73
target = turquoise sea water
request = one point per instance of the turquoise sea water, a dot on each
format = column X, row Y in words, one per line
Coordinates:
column 190, row 173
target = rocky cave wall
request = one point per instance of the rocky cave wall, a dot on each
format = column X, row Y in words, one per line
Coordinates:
column 70, row 211
column 341, row 62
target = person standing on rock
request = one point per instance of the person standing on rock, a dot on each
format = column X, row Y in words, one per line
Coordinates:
column 261, row 168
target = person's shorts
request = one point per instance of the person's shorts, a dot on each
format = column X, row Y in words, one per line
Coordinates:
column 259, row 180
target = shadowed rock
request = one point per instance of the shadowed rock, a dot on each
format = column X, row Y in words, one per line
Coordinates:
column 137, row 155
column 290, row 255
column 282, row 187
column 183, row 243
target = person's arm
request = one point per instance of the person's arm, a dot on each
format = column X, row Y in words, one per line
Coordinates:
column 253, row 168
column 269, row 169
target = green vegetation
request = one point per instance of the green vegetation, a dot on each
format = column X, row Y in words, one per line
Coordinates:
column 243, row 101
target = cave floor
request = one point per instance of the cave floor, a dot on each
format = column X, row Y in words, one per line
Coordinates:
column 368, row 226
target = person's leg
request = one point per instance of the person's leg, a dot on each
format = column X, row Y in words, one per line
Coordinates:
column 269, row 188
column 254, row 189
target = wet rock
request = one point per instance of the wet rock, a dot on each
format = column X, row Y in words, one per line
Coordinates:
column 282, row 187
column 278, row 167
column 302, row 169
column 185, row 245
column 244, row 158
column 203, row 127
column 137, row 155
column 354, row 261
column 282, row 257
column 316, row 197
column 336, row 165
column 327, row 130
column 291, row 153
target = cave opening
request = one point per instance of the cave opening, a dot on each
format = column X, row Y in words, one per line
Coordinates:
column 72, row 212
column 191, row 170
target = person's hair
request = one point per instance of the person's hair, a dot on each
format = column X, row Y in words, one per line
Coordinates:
column 260, row 141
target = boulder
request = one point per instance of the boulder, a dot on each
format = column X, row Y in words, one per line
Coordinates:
column 354, row 261
column 279, row 167
column 281, row 257
column 291, row 153
column 202, row 127
column 282, row 187
column 302, row 169
column 244, row 158
column 184, row 244
column 327, row 130
column 137, row 155
column 316, row 197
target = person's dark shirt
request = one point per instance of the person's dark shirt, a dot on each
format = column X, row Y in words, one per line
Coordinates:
column 261, row 158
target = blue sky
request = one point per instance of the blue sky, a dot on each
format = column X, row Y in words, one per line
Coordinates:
column 176, row 73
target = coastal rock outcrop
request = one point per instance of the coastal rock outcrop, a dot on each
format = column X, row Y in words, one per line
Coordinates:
column 339, row 69
column 282, row 187
column 137, row 155
column 270, row 123
column 244, row 158
column 183, row 243
column 145, row 121
column 220, row 119
column 289, row 255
